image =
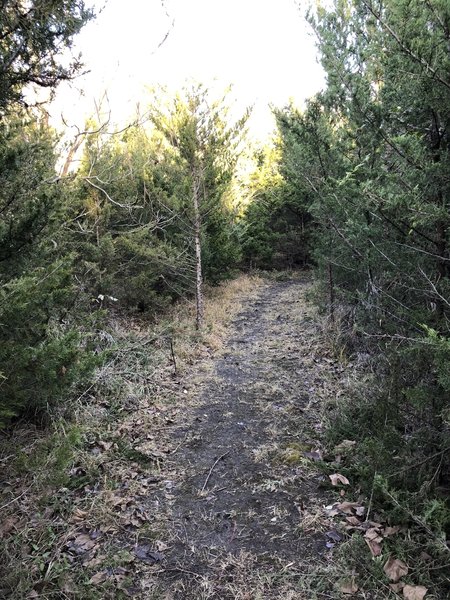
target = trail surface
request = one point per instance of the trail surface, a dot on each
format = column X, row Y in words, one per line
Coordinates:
column 239, row 510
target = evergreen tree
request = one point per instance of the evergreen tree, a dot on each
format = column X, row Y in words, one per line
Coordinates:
column 206, row 148
column 41, row 354
column 32, row 37
column 127, row 220
column 370, row 155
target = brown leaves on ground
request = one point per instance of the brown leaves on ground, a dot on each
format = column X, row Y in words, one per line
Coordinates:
column 83, row 543
column 315, row 455
column 348, row 508
column 395, row 569
column 414, row 592
column 337, row 479
column 410, row 592
column 373, row 540
column 374, row 533
column 349, row 588
column 116, row 575
column 8, row 525
column 344, row 446
column 99, row 578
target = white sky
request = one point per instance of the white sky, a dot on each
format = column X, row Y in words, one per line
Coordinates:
column 263, row 47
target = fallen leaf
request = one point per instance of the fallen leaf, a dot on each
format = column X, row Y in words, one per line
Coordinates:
column 315, row 456
column 397, row 587
column 360, row 511
column 334, row 535
column 395, row 569
column 93, row 562
column 98, row 578
column 374, row 547
column 373, row 535
column 332, row 510
column 8, row 525
column 337, row 478
column 69, row 587
column 414, row 592
column 353, row 521
column 83, row 542
column 388, row 531
column 349, row 587
column 146, row 554
column 375, row 524
column 105, row 445
column 161, row 546
column 118, row 501
column 78, row 515
column 344, row 445
column 348, row 507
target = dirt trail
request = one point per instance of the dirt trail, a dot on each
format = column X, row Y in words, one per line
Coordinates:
column 238, row 524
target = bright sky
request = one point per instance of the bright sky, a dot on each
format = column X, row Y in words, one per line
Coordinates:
column 262, row 47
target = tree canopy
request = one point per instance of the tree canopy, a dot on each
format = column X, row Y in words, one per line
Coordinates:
column 33, row 37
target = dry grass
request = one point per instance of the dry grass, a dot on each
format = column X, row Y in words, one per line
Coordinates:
column 89, row 476
column 82, row 496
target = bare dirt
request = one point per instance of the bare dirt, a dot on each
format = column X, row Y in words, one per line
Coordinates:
column 241, row 515
column 207, row 477
column 196, row 485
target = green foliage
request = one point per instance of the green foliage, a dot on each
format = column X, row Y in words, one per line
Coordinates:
column 368, row 162
column 133, row 216
column 33, row 36
column 221, row 245
column 41, row 352
column 41, row 355
column 276, row 222
column 206, row 147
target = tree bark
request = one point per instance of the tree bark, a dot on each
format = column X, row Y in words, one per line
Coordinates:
column 199, row 316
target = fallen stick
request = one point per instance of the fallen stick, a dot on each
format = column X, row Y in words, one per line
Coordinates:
column 178, row 570
column 211, row 470
column 174, row 360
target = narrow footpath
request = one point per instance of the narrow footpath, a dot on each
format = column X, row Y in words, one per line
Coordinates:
column 240, row 513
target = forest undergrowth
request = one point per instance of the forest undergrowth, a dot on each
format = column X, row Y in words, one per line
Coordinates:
column 58, row 501
column 95, row 506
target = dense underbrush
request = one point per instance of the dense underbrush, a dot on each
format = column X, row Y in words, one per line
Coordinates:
column 395, row 414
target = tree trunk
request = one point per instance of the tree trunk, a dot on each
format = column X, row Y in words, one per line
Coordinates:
column 198, row 250
column 331, row 291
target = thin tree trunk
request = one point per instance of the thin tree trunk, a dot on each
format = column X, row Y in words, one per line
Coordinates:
column 199, row 317
column 70, row 155
column 442, row 268
column 331, row 291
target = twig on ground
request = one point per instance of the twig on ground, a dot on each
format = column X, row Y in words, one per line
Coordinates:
column 418, row 464
column 179, row 570
column 369, row 508
column 180, row 444
column 211, row 470
column 17, row 498
column 173, row 357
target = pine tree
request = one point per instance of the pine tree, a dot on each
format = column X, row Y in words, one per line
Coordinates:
column 41, row 354
column 33, row 36
column 207, row 149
